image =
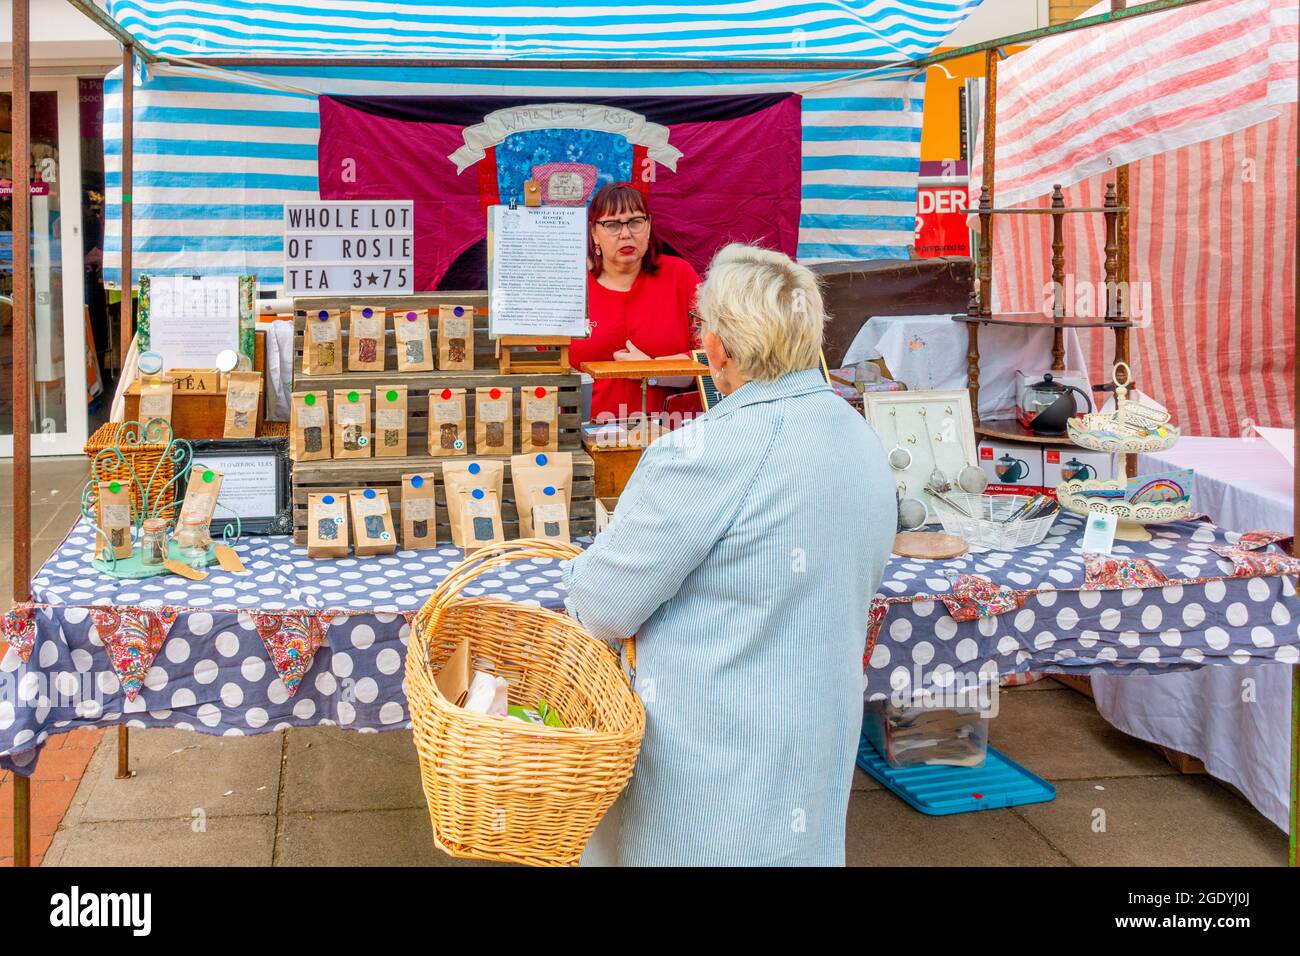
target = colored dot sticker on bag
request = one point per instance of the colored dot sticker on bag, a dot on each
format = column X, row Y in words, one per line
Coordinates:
column 369, row 492
column 458, row 311
column 446, row 395
column 353, row 396
column 114, row 487
column 477, row 493
column 328, row 500
column 309, row 399
column 209, row 475
column 475, row 468
column 417, row 481
column 540, row 459
column 460, row 444
column 322, row 315
column 540, row 392
column 548, row 490
column 411, row 317
column 495, row 393
column 392, row 395
column 367, row 312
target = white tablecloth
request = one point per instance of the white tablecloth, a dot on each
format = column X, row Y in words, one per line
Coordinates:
column 929, row 351
column 1243, row 485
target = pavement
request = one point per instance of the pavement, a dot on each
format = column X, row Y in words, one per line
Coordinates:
column 325, row 796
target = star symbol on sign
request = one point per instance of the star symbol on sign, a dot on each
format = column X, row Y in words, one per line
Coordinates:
column 372, row 278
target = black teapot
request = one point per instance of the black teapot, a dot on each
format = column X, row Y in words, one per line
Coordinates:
column 1046, row 406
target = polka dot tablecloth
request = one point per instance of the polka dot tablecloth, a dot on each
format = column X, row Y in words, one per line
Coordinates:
column 1213, row 618
column 213, row 674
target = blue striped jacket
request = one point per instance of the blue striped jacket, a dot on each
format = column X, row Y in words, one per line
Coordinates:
column 743, row 554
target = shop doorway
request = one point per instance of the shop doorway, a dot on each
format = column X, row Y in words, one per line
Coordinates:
column 57, row 370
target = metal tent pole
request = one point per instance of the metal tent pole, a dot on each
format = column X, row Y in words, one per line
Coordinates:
column 128, row 141
column 22, row 318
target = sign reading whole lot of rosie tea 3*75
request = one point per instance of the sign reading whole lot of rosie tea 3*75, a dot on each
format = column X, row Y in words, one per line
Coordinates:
column 343, row 246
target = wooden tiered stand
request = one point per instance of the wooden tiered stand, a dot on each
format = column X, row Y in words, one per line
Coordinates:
column 980, row 311
column 338, row 475
column 1114, row 209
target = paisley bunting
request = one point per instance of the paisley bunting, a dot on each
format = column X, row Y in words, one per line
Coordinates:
column 133, row 637
column 18, row 629
column 291, row 641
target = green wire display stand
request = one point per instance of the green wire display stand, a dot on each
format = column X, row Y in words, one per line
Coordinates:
column 115, row 466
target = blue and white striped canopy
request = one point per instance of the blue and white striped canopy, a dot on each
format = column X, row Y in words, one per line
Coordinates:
column 555, row 30
column 216, row 156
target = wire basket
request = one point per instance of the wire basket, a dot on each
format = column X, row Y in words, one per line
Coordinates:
column 983, row 527
column 498, row 788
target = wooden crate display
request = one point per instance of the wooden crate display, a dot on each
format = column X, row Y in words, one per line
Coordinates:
column 419, row 384
column 485, row 355
column 338, row 476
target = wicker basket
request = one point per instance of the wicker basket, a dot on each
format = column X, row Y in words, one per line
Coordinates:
column 144, row 459
column 498, row 788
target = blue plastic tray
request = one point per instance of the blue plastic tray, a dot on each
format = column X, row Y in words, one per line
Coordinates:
column 939, row 791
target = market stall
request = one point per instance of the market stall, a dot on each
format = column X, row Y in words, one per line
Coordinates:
column 189, row 643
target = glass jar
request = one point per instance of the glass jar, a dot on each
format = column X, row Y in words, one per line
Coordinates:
column 193, row 539
column 153, row 542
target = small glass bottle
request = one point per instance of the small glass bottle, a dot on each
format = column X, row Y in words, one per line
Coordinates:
column 153, row 541
column 194, row 539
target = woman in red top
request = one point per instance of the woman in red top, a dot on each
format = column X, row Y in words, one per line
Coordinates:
column 638, row 300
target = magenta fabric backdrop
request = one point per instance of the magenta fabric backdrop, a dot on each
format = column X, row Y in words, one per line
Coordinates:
column 738, row 179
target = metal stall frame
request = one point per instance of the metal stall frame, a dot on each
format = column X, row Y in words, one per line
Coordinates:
column 131, row 50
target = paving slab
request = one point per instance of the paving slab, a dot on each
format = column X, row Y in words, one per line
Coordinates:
column 377, row 838
column 1156, row 821
column 329, row 769
column 1060, row 736
column 224, row 841
column 178, row 772
column 884, row 831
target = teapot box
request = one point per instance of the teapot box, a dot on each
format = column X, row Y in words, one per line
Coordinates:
column 1070, row 464
column 1013, row 468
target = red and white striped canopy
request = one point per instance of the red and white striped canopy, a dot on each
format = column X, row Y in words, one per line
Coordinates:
column 1212, row 197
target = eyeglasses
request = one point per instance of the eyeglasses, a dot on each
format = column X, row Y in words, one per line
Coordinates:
column 612, row 227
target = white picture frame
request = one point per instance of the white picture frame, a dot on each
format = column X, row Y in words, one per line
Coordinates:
column 901, row 419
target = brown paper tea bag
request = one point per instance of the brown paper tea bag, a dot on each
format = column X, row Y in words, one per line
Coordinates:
column 113, row 518
column 494, row 426
column 372, row 522
column 481, row 519
column 155, row 399
column 366, row 339
column 447, row 435
column 243, row 396
column 543, row 484
column 351, row 424
column 411, row 332
column 327, row 526
column 460, row 479
column 309, row 428
column 322, row 344
column 200, row 501
column 539, row 418
column 419, row 512
column 390, row 421
column 455, row 337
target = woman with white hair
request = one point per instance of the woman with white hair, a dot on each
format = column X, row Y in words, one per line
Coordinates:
column 743, row 556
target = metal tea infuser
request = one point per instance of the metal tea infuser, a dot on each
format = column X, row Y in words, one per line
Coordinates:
column 900, row 459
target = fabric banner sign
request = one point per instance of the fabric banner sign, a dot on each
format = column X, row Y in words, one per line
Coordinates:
column 717, row 169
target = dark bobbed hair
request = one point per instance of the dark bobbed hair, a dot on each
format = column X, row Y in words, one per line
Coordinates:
column 618, row 199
